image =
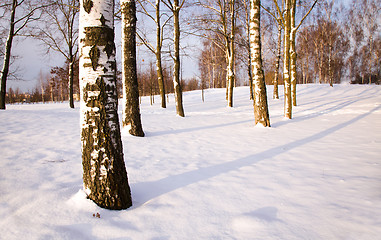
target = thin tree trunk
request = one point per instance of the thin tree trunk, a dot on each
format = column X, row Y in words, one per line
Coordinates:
column 104, row 173
column 277, row 61
column 176, row 68
column 131, row 113
column 160, row 77
column 293, row 52
column 71, row 80
column 286, row 64
column 261, row 112
column 250, row 74
column 230, row 45
column 7, row 56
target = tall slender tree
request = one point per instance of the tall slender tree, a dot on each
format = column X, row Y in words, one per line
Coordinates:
column 104, row 173
column 131, row 110
column 157, row 18
column 30, row 11
column 175, row 8
column 261, row 112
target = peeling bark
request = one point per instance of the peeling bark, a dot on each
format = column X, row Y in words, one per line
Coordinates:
column 104, row 174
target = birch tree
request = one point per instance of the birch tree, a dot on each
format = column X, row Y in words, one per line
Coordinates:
column 131, row 110
column 175, row 8
column 104, row 173
column 289, row 53
column 261, row 112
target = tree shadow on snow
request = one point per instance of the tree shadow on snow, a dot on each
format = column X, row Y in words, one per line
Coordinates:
column 145, row 191
column 338, row 105
column 177, row 131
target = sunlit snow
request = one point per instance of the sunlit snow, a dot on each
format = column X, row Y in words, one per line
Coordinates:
column 210, row 175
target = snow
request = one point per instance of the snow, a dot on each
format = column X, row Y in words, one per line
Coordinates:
column 210, row 175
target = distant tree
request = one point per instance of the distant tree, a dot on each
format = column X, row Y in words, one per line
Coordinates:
column 59, row 32
column 160, row 22
column 261, row 112
column 175, row 6
column 220, row 20
column 131, row 110
column 212, row 62
column 59, row 76
column 104, row 172
column 363, row 26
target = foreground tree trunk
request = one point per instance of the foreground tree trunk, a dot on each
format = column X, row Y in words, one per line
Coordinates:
column 131, row 110
column 261, row 112
column 7, row 56
column 104, row 173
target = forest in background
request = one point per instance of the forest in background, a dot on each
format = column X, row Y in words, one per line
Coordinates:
column 337, row 42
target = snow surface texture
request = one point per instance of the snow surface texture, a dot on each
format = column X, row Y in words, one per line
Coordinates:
column 210, row 175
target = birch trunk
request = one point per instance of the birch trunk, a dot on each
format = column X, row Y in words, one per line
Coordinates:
column 261, row 112
column 286, row 64
column 176, row 68
column 131, row 111
column 293, row 52
column 230, row 46
column 104, row 173
column 7, row 56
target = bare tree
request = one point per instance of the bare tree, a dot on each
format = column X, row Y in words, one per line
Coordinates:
column 288, row 18
column 364, row 27
column 59, row 33
column 175, row 8
column 160, row 23
column 104, row 172
column 29, row 11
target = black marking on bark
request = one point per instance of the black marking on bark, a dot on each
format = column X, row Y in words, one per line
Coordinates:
column 100, row 36
column 109, row 49
column 87, row 5
column 103, row 20
column 94, row 56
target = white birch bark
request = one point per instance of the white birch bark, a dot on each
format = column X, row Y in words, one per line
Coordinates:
column 261, row 113
column 104, row 173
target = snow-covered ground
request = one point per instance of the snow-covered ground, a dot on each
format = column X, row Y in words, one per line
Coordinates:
column 210, row 175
